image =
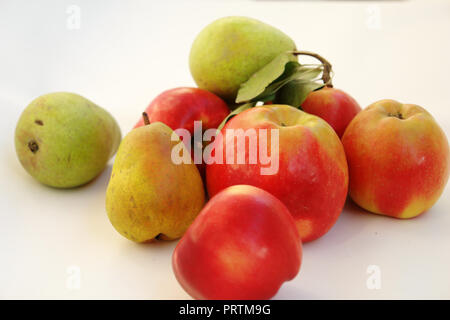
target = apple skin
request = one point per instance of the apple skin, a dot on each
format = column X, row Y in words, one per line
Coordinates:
column 242, row 245
column 180, row 107
column 398, row 167
column 312, row 179
column 334, row 106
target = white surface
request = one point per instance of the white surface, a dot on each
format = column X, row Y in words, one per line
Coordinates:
column 127, row 52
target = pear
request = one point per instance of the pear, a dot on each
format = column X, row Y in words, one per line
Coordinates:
column 149, row 196
column 228, row 51
column 64, row 140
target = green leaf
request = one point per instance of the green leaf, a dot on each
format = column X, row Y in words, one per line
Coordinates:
column 235, row 112
column 267, row 98
column 295, row 92
column 258, row 82
column 294, row 72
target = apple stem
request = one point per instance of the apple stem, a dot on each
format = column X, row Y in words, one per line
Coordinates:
column 146, row 120
column 327, row 68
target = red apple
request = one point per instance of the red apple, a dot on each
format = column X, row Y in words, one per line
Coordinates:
column 242, row 245
column 312, row 177
column 398, row 159
column 180, row 107
column 334, row 106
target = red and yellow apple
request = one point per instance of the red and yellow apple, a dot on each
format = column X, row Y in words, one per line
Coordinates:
column 398, row 159
column 242, row 245
column 312, row 176
column 334, row 106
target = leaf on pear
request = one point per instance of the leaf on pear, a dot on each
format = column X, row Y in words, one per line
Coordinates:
column 295, row 92
column 235, row 112
column 267, row 98
column 293, row 72
column 258, row 82
column 253, row 90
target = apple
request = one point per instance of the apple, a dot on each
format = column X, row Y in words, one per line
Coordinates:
column 180, row 107
column 312, row 175
column 334, row 106
column 242, row 245
column 398, row 159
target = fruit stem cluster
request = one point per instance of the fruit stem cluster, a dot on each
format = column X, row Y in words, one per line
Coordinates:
column 327, row 68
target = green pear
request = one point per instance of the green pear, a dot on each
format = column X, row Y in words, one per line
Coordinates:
column 149, row 196
column 228, row 51
column 64, row 140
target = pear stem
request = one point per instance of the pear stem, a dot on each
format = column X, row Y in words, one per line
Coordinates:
column 146, row 120
column 327, row 68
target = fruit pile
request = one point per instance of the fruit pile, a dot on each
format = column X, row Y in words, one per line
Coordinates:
column 267, row 142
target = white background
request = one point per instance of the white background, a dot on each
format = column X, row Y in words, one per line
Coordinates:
column 127, row 52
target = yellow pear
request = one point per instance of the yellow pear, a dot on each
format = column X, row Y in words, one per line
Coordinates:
column 149, row 196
